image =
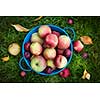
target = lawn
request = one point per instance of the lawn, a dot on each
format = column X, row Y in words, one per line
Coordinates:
column 10, row 71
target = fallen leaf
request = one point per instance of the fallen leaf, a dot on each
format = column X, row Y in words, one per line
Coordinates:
column 86, row 75
column 86, row 40
column 20, row 28
column 38, row 18
column 5, row 58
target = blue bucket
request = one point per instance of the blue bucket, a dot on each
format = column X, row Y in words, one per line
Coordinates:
column 27, row 39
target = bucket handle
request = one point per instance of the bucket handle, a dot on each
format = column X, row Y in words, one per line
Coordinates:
column 73, row 32
column 21, row 66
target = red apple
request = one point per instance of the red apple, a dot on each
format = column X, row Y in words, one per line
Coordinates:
column 36, row 48
column 60, row 61
column 27, row 46
column 51, row 40
column 67, row 53
column 56, row 33
column 45, row 45
column 85, row 55
column 27, row 54
column 23, row 74
column 48, row 70
column 65, row 73
column 49, row 53
column 44, row 30
column 63, row 42
column 60, row 51
column 78, row 46
column 70, row 21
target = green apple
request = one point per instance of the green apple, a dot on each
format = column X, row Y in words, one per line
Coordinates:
column 38, row 63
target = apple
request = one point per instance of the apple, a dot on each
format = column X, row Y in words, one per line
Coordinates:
column 38, row 63
column 49, row 53
column 51, row 40
column 63, row 42
column 32, row 57
column 70, row 21
column 65, row 73
column 36, row 48
column 44, row 30
column 45, row 45
column 23, row 74
column 67, row 53
column 78, row 46
column 35, row 38
column 85, row 55
column 27, row 54
column 14, row 49
column 56, row 33
column 48, row 70
column 50, row 63
column 60, row 61
column 60, row 51
column 27, row 46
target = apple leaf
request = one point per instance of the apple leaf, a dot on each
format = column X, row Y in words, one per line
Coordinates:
column 20, row 28
column 86, row 75
column 86, row 40
column 5, row 59
column 38, row 18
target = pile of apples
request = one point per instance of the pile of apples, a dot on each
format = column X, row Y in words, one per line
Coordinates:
column 47, row 50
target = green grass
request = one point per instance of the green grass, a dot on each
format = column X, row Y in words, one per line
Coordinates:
column 10, row 72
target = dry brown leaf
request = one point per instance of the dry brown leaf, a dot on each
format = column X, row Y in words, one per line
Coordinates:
column 38, row 18
column 5, row 58
column 86, row 75
column 86, row 40
column 20, row 28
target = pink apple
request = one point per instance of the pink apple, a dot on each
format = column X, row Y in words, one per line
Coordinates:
column 27, row 46
column 60, row 61
column 23, row 74
column 65, row 73
column 38, row 63
column 44, row 30
column 49, row 53
column 51, row 40
column 27, row 54
column 63, row 42
column 36, row 48
column 70, row 21
column 78, row 46
column 56, row 33
column 60, row 51
column 35, row 38
column 48, row 70
column 67, row 53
